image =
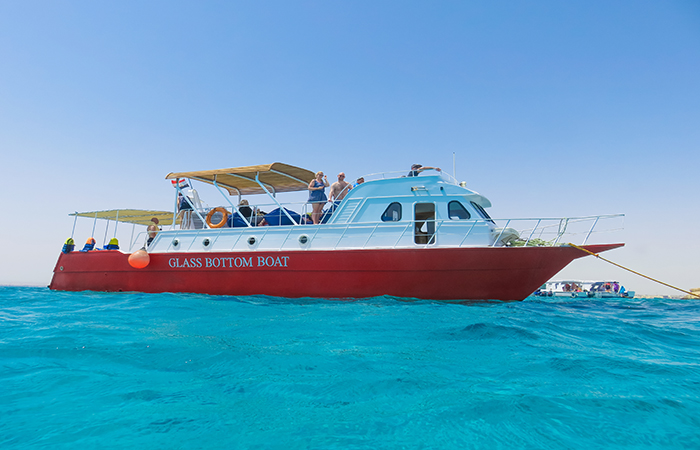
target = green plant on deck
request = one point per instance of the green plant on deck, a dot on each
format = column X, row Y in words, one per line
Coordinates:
column 531, row 243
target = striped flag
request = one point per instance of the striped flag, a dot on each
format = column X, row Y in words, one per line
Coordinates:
column 180, row 182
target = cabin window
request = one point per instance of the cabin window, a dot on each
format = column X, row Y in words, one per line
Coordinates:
column 424, row 229
column 392, row 213
column 457, row 211
column 482, row 212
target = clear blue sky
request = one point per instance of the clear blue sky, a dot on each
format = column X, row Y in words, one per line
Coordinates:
column 552, row 109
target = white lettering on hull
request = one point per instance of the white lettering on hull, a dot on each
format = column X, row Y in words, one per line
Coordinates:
column 228, row 262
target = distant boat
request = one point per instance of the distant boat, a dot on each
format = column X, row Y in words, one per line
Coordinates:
column 584, row 289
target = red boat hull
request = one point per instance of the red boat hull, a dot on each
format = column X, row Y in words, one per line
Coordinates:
column 498, row 273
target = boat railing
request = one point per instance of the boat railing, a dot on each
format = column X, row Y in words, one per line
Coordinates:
column 404, row 173
column 524, row 232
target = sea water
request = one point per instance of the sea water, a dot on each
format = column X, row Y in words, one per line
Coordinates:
column 128, row 370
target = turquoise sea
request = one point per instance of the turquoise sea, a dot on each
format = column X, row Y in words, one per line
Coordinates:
column 172, row 371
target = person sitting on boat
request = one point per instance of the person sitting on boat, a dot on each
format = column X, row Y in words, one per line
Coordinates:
column 317, row 196
column 359, row 182
column 416, row 169
column 338, row 191
column 152, row 230
column 249, row 213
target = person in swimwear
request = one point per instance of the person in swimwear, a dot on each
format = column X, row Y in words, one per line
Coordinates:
column 317, row 196
column 338, row 191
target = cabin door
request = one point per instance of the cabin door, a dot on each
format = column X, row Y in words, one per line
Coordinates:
column 424, row 228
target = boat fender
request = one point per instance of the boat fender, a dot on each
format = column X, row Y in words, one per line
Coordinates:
column 68, row 246
column 224, row 219
column 139, row 259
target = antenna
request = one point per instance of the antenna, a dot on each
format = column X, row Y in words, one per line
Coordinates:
column 454, row 167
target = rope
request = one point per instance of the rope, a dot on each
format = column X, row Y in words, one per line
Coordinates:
column 630, row 270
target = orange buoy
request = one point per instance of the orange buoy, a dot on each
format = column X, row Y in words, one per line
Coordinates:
column 139, row 259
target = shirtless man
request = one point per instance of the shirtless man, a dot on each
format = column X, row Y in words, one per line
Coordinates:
column 339, row 190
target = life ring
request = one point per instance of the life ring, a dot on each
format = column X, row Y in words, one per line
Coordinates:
column 210, row 214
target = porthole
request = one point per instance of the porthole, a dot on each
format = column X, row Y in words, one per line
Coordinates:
column 176, row 242
column 252, row 241
column 303, row 239
column 206, row 242
column 61, row 268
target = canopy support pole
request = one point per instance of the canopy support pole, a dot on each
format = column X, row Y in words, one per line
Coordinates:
column 94, row 224
column 275, row 199
column 104, row 241
column 235, row 208
column 74, row 222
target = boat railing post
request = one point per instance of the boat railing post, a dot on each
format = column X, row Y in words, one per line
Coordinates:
column 370, row 235
column 196, row 235
column 218, row 235
column 533, row 232
column 406, row 228
column 561, row 230
column 468, row 233
column 347, row 225
column 284, row 241
column 437, row 228
column 240, row 235
column 503, row 229
column 591, row 230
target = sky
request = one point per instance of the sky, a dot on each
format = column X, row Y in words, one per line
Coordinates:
column 547, row 108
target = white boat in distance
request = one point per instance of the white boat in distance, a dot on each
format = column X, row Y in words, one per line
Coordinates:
column 584, row 289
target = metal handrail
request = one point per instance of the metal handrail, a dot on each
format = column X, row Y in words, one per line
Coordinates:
column 444, row 227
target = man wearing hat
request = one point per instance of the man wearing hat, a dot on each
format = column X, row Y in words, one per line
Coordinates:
column 417, row 169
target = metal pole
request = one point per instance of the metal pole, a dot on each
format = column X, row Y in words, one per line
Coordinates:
column 591, row 230
column 273, row 198
column 233, row 207
column 104, row 241
column 74, row 222
column 94, row 224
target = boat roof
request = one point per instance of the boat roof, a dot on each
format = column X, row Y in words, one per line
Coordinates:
column 135, row 216
column 277, row 177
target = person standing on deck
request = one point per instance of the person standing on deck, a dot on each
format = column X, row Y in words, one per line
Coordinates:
column 317, row 196
column 416, row 169
column 338, row 191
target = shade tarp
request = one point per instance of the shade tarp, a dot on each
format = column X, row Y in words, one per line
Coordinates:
column 136, row 216
column 277, row 177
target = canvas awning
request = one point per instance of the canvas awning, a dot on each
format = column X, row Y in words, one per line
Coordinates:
column 136, row 216
column 277, row 177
